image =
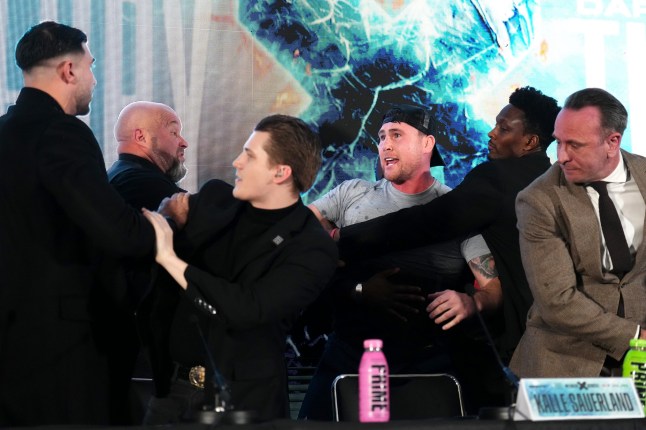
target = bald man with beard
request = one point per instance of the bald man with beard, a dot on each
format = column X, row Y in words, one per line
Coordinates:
column 150, row 164
column 151, row 154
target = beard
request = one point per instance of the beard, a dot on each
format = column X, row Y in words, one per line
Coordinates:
column 170, row 165
column 83, row 109
column 83, row 106
column 177, row 171
column 83, row 100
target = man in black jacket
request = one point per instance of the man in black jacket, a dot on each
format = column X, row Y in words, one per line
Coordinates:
column 483, row 203
column 248, row 260
column 151, row 163
column 60, row 219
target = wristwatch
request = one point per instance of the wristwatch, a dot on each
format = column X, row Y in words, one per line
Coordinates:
column 357, row 292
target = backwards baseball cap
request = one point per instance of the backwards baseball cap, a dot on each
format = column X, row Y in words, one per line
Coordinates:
column 421, row 119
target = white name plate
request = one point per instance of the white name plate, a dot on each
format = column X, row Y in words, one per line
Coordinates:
column 543, row 399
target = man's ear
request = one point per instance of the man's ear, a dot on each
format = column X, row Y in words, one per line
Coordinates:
column 614, row 142
column 65, row 71
column 532, row 143
column 283, row 173
column 140, row 136
column 429, row 143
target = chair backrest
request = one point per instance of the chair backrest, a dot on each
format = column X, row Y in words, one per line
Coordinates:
column 412, row 396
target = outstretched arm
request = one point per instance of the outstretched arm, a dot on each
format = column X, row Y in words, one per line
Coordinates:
column 465, row 210
column 288, row 287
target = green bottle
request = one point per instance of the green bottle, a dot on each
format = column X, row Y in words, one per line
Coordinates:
column 635, row 367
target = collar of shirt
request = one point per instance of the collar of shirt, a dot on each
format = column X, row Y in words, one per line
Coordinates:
column 620, row 174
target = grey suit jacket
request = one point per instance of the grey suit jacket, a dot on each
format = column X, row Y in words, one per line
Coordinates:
column 573, row 323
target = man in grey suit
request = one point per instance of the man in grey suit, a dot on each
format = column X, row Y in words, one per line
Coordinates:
column 587, row 306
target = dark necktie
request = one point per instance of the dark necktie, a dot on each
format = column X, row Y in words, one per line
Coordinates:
column 613, row 232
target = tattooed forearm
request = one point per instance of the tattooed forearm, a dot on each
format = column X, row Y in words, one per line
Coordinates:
column 484, row 266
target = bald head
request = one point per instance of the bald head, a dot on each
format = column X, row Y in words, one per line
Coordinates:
column 152, row 131
column 140, row 115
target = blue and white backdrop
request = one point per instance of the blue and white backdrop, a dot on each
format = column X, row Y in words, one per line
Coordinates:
column 224, row 64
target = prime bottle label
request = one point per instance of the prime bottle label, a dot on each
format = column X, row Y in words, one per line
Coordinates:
column 379, row 388
column 637, row 372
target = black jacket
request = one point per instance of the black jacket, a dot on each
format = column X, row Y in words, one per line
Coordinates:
column 59, row 218
column 245, row 315
column 142, row 185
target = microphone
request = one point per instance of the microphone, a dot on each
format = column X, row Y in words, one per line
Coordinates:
column 509, row 375
column 498, row 413
column 220, row 408
column 221, row 402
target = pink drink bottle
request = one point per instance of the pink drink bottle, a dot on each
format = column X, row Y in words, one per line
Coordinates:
column 374, row 396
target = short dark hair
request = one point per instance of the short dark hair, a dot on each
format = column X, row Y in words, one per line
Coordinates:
column 540, row 113
column 292, row 142
column 47, row 40
column 614, row 116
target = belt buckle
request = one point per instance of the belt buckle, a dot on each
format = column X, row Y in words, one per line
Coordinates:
column 197, row 376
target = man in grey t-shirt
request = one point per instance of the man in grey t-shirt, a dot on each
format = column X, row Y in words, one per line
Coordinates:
column 409, row 299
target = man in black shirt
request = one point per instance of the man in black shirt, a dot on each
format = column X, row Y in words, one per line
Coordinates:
column 151, row 162
column 249, row 258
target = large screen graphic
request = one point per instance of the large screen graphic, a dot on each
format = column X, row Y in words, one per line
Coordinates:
column 224, row 64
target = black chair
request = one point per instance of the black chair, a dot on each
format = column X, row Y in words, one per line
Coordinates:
column 412, row 396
